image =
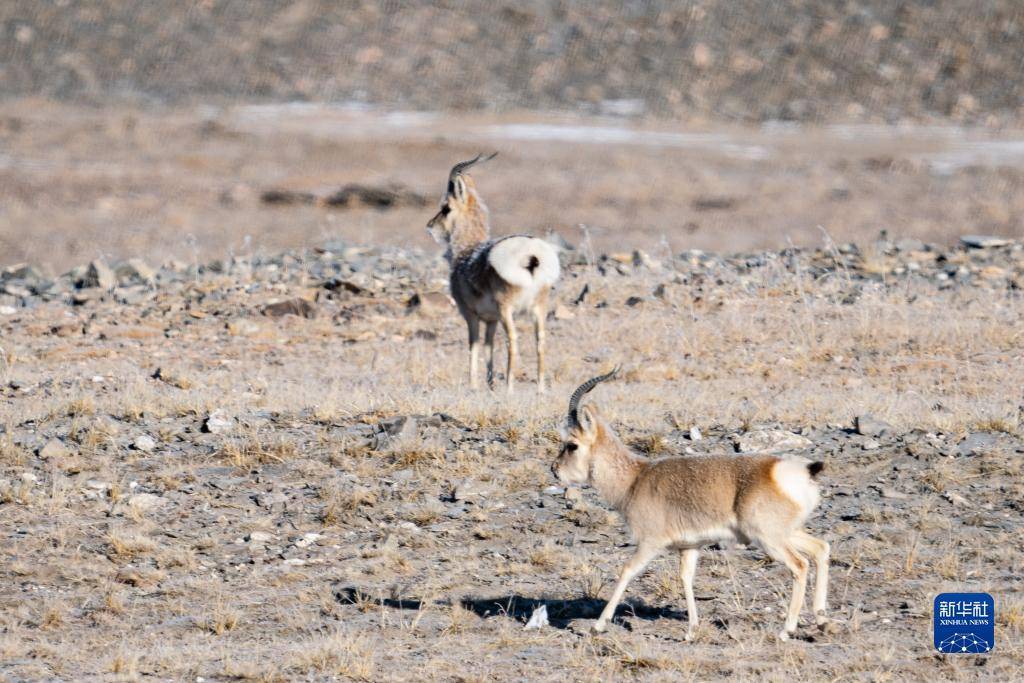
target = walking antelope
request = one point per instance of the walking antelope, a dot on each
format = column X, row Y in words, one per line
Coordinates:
column 684, row 503
column 492, row 280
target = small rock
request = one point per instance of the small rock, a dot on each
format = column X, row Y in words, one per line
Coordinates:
column 259, row 537
column 428, row 303
column 695, row 434
column 870, row 445
column 144, row 443
column 145, row 501
column 54, row 448
column 770, row 440
column 976, row 443
column 892, row 493
column 634, row 300
column 308, row 539
column 868, row 425
column 538, row 620
column 29, row 477
column 135, row 271
column 983, row 241
column 218, row 422
column 573, row 494
column 956, row 499
column 468, row 488
column 298, row 307
column 295, row 561
column 99, row 274
column 269, row 500
column 554, row 491
column 8, row 310
column 400, row 427
column 563, row 312
column 908, row 244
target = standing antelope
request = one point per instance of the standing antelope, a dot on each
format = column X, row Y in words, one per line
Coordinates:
column 684, row 503
column 492, row 280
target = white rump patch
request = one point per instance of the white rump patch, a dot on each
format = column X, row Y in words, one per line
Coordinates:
column 793, row 478
column 525, row 262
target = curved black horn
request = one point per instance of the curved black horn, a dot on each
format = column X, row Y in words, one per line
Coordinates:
column 581, row 390
column 459, row 168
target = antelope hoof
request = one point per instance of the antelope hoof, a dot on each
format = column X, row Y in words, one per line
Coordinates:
column 598, row 627
column 784, row 635
column 689, row 635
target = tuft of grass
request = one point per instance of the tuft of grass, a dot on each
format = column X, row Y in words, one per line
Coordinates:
column 126, row 545
column 253, row 452
column 339, row 654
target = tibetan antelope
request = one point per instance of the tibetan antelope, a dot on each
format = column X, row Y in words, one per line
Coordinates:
column 684, row 503
column 492, row 280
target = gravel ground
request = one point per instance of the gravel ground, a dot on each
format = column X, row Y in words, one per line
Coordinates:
column 270, row 468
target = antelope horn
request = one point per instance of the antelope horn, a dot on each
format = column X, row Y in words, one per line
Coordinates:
column 460, row 167
column 581, row 390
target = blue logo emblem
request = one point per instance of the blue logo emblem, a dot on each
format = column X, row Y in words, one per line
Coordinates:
column 964, row 623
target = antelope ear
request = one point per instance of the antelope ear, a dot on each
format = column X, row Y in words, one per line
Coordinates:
column 459, row 186
column 588, row 420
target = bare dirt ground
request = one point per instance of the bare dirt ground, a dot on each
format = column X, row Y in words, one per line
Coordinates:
column 78, row 183
column 195, row 486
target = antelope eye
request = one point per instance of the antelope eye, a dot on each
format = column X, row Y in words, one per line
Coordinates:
column 570, row 447
column 445, row 210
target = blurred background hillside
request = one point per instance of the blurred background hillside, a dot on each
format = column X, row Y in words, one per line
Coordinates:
column 732, row 60
column 156, row 129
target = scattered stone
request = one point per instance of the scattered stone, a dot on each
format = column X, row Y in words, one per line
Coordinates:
column 241, row 327
column 429, row 303
column 983, row 241
column 144, row 443
column 563, row 312
column 308, row 539
column 287, row 197
column 469, row 488
column 573, row 494
column 538, row 620
column 956, row 499
column 977, row 443
column 144, row 502
column 172, row 378
column 634, row 300
column 259, row 537
column 135, row 271
column 269, row 500
column 54, row 449
column 695, row 434
column 770, row 440
column 8, row 310
column 868, row 425
column 892, row 494
column 400, row 428
column 336, row 284
column 391, row 196
column 218, row 422
column 298, row 307
column 554, row 491
column 100, row 275
column 871, row 445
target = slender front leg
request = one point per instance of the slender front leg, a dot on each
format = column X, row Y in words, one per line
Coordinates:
column 539, row 314
column 513, row 349
column 474, row 350
column 489, row 329
column 635, row 565
column 687, row 568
